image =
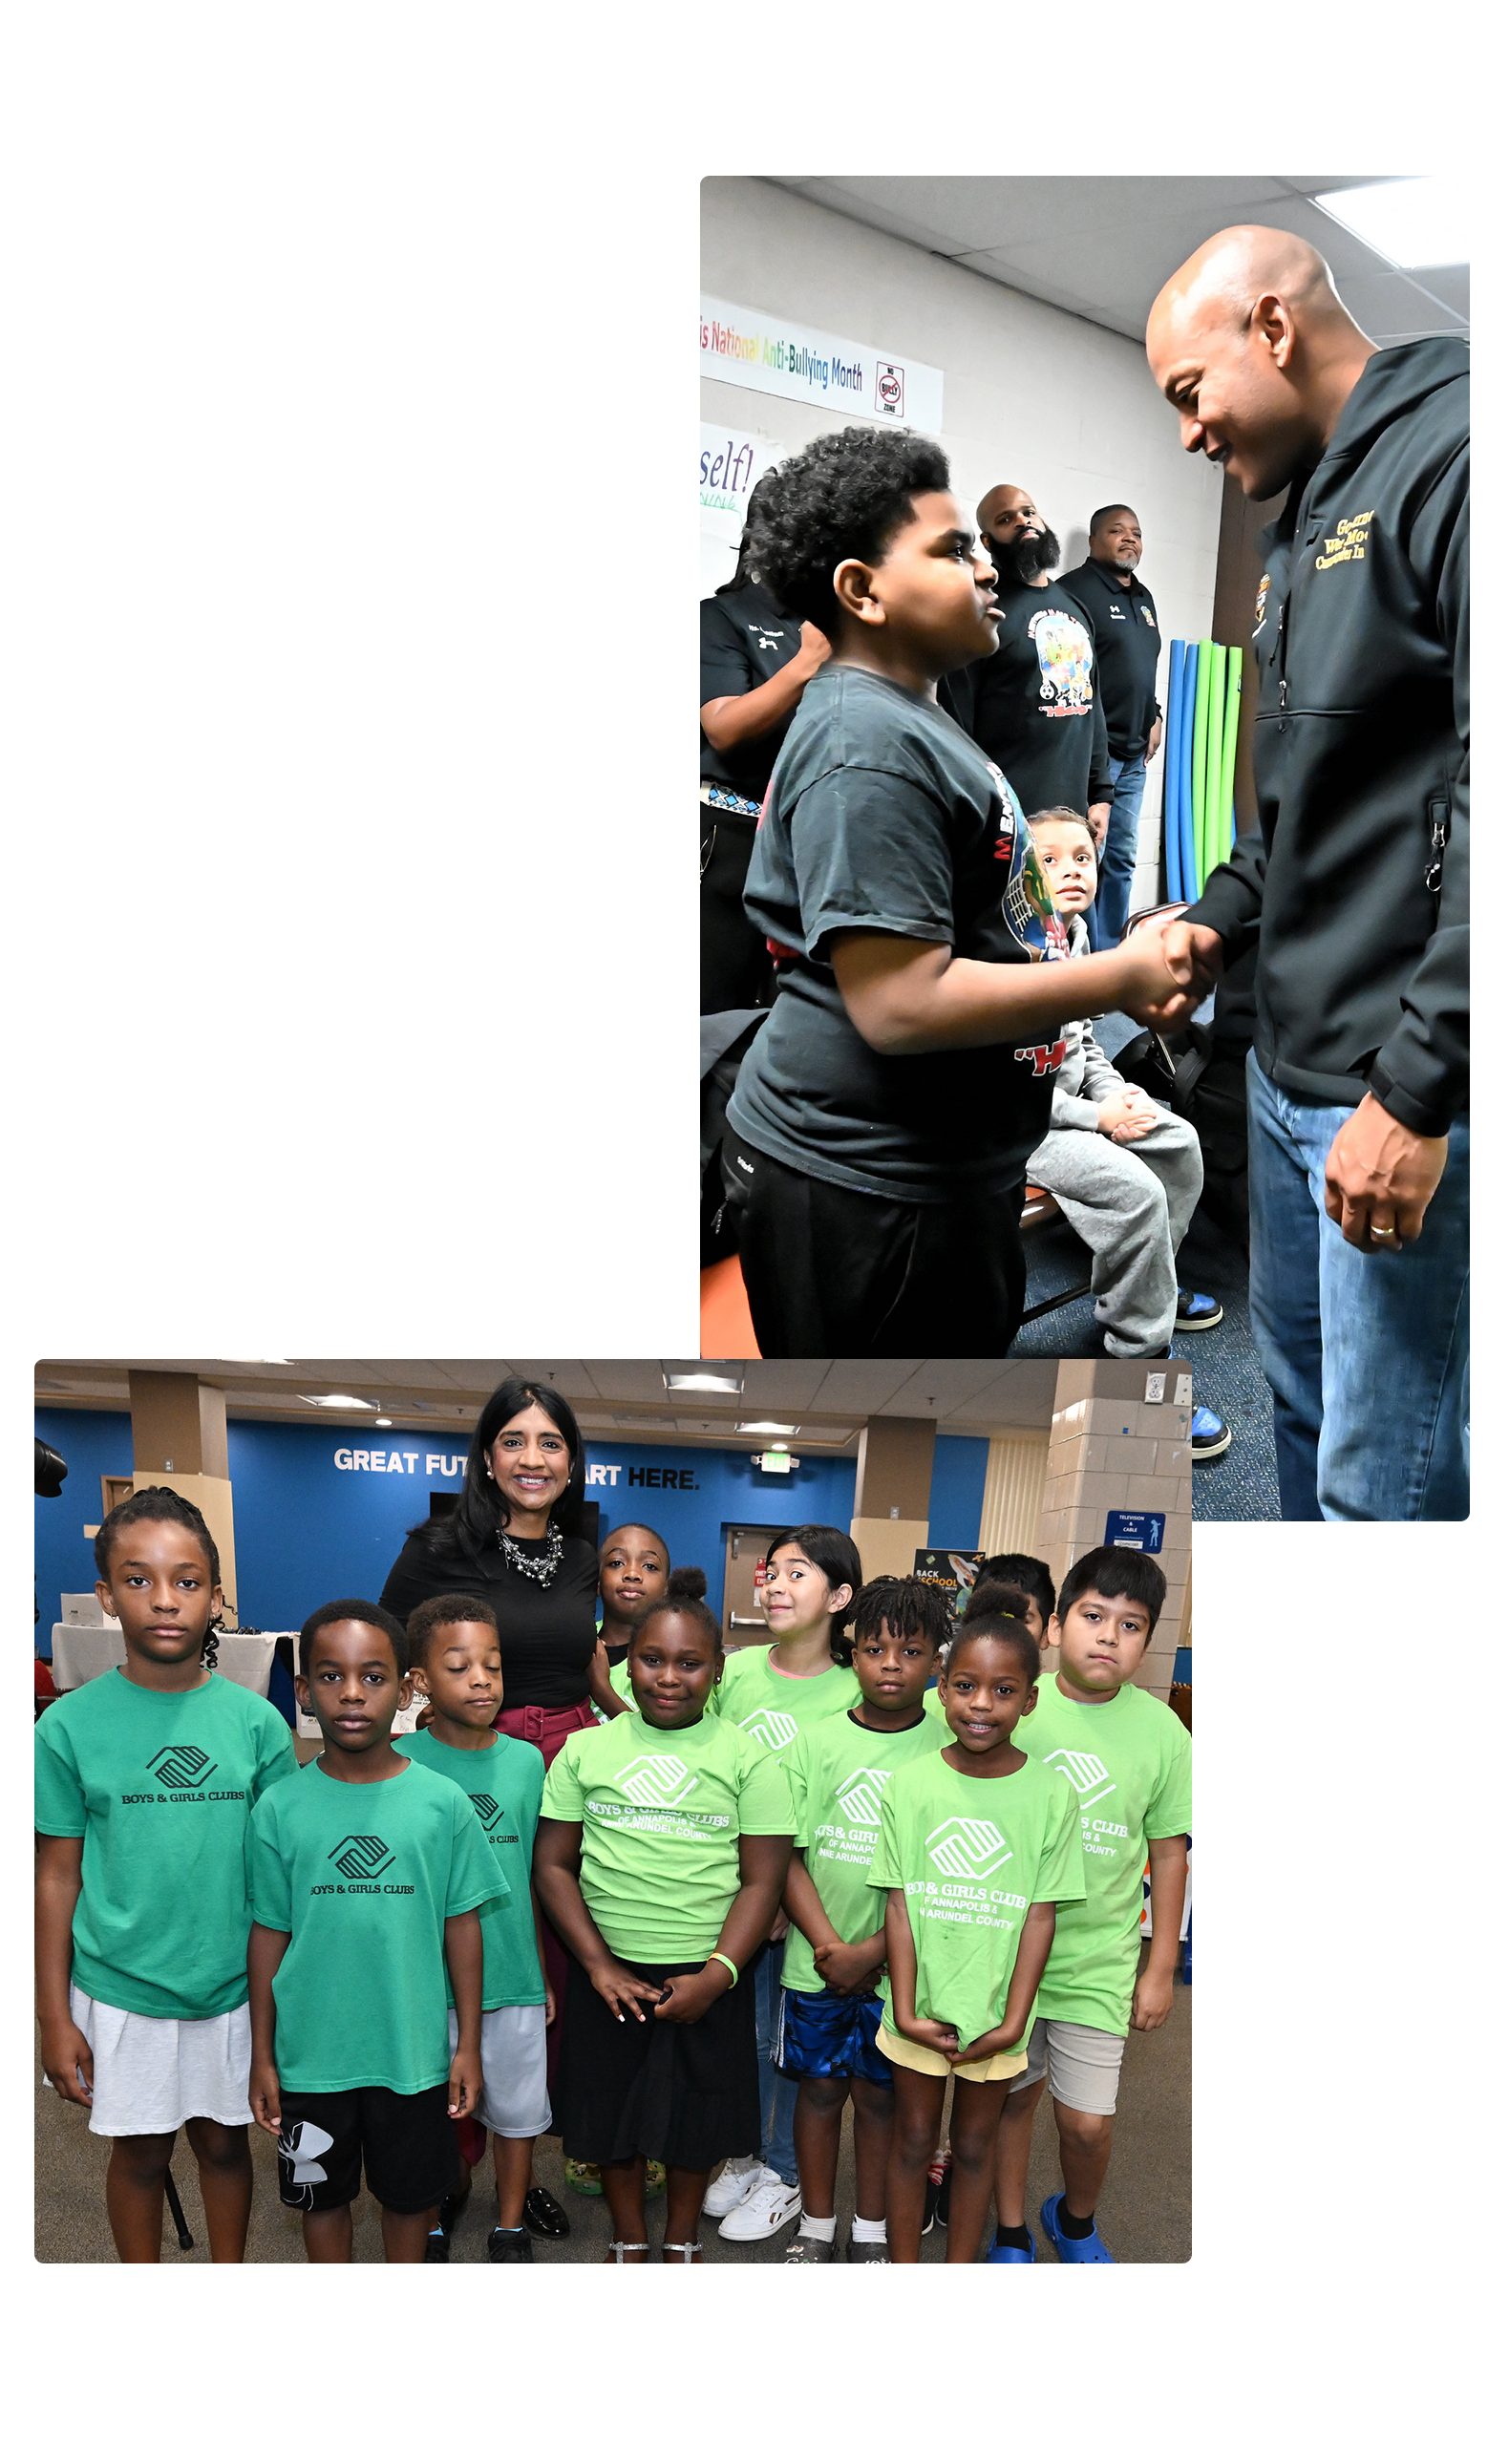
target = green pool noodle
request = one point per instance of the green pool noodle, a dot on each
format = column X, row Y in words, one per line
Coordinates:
column 1234, row 705
column 1214, row 746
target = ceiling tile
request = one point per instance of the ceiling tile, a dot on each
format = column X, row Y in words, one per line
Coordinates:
column 1391, row 303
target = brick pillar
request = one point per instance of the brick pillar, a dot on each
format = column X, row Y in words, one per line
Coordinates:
column 1110, row 1448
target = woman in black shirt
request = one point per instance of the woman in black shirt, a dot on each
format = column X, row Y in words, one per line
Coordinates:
column 514, row 1541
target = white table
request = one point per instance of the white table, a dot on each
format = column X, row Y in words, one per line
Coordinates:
column 81, row 1652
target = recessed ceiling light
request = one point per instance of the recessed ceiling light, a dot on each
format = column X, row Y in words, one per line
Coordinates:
column 768, row 1428
column 1414, row 222
column 339, row 1402
column 244, row 1360
column 385, row 1424
column 703, row 1383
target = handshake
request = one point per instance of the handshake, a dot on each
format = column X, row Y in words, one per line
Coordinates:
column 1170, row 968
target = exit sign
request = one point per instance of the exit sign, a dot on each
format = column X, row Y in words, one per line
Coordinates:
column 1135, row 1532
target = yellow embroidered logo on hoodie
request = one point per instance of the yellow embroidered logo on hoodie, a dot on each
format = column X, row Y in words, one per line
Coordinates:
column 1349, row 546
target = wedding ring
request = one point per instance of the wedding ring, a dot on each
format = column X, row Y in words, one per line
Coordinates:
column 1381, row 1231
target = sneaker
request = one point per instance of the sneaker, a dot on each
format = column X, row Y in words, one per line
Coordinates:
column 767, row 2205
column 1195, row 1312
column 1209, row 1435
column 806, row 2251
column 544, row 2215
column 727, row 2188
column 437, row 2249
column 509, row 2249
column 867, row 2254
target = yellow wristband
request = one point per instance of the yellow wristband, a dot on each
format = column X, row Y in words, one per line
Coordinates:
column 726, row 1962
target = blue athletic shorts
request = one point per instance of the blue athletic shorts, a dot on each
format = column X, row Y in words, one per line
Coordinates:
column 830, row 2035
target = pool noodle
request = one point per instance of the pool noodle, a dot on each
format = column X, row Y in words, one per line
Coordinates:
column 1215, row 755
column 1233, row 706
column 1186, row 773
column 1170, row 772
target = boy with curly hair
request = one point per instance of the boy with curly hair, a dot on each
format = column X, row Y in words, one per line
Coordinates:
column 882, row 1122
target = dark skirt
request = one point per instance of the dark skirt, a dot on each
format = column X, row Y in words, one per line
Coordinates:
column 689, row 2095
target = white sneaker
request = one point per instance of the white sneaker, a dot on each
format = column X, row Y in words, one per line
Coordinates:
column 727, row 2188
column 766, row 2206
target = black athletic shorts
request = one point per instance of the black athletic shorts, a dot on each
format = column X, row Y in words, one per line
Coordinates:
column 828, row 1270
column 406, row 2145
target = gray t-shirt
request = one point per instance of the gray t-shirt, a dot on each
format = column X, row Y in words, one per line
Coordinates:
column 882, row 815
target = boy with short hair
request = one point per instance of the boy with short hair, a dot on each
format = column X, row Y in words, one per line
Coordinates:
column 882, row 1121
column 457, row 1664
column 1127, row 1174
column 1127, row 1756
column 367, row 1873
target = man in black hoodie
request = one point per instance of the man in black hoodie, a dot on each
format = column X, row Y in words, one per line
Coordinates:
column 1355, row 887
column 1033, row 707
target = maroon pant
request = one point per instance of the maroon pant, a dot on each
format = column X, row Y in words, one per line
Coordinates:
column 547, row 1730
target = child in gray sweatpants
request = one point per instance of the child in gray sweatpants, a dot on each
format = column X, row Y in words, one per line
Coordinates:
column 1125, row 1173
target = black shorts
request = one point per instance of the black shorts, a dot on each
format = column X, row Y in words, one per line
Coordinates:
column 406, row 2145
column 828, row 1270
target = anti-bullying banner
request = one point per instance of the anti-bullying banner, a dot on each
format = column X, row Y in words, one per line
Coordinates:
column 746, row 346
column 729, row 464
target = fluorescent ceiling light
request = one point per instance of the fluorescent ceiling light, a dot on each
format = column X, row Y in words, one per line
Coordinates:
column 1414, row 222
column 385, row 1424
column 339, row 1402
column 768, row 1428
column 704, row 1383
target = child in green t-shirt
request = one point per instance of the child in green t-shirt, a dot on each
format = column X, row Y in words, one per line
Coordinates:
column 145, row 1779
column 977, row 1846
column 836, row 1947
column 662, row 1846
column 457, row 1666
column 1127, row 1756
column 775, row 1691
column 368, row 1872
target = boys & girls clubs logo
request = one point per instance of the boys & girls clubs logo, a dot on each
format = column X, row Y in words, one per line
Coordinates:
column 773, row 1729
column 967, row 1849
column 659, row 1780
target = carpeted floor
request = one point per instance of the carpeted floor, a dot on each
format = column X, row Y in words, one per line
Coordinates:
column 1143, row 2212
column 1242, row 1485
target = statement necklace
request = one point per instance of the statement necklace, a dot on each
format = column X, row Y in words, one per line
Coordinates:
column 536, row 1569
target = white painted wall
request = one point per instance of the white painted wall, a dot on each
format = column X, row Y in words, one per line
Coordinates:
column 1031, row 395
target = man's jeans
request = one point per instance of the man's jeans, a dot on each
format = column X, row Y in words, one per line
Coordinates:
column 777, row 2094
column 1366, row 1355
column 1119, row 855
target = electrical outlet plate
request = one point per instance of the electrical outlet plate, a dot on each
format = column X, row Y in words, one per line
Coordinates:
column 1157, row 1380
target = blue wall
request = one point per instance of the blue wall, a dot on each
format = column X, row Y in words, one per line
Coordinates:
column 308, row 1531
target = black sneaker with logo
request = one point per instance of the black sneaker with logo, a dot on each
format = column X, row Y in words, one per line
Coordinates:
column 510, row 2247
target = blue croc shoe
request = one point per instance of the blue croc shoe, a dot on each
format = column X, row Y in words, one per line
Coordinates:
column 1091, row 2251
column 1209, row 1435
column 1001, row 2255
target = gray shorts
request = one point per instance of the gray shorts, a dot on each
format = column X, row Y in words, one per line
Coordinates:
column 1083, row 2064
column 514, row 2101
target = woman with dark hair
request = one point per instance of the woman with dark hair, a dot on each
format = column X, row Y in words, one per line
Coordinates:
column 514, row 1540
column 754, row 664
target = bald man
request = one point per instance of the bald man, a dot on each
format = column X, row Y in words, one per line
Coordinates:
column 1031, row 706
column 1355, row 887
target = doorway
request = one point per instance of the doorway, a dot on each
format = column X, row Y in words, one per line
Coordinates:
column 744, row 1550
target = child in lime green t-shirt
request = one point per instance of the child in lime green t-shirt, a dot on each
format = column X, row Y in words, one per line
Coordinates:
column 774, row 1691
column 663, row 1845
column 145, row 1781
column 836, row 1947
column 1127, row 1756
column 978, row 1844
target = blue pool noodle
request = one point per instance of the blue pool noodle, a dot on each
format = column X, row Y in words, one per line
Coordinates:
column 1173, row 870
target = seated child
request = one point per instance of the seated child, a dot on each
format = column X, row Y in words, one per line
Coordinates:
column 1127, row 1756
column 882, row 1120
column 145, row 1780
column 354, row 1930
column 978, row 1845
column 836, row 1947
column 662, row 1846
column 458, row 1667
column 773, row 1692
column 1125, row 1173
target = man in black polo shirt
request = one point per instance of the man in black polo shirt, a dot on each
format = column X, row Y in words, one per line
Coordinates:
column 1032, row 707
column 1123, row 623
